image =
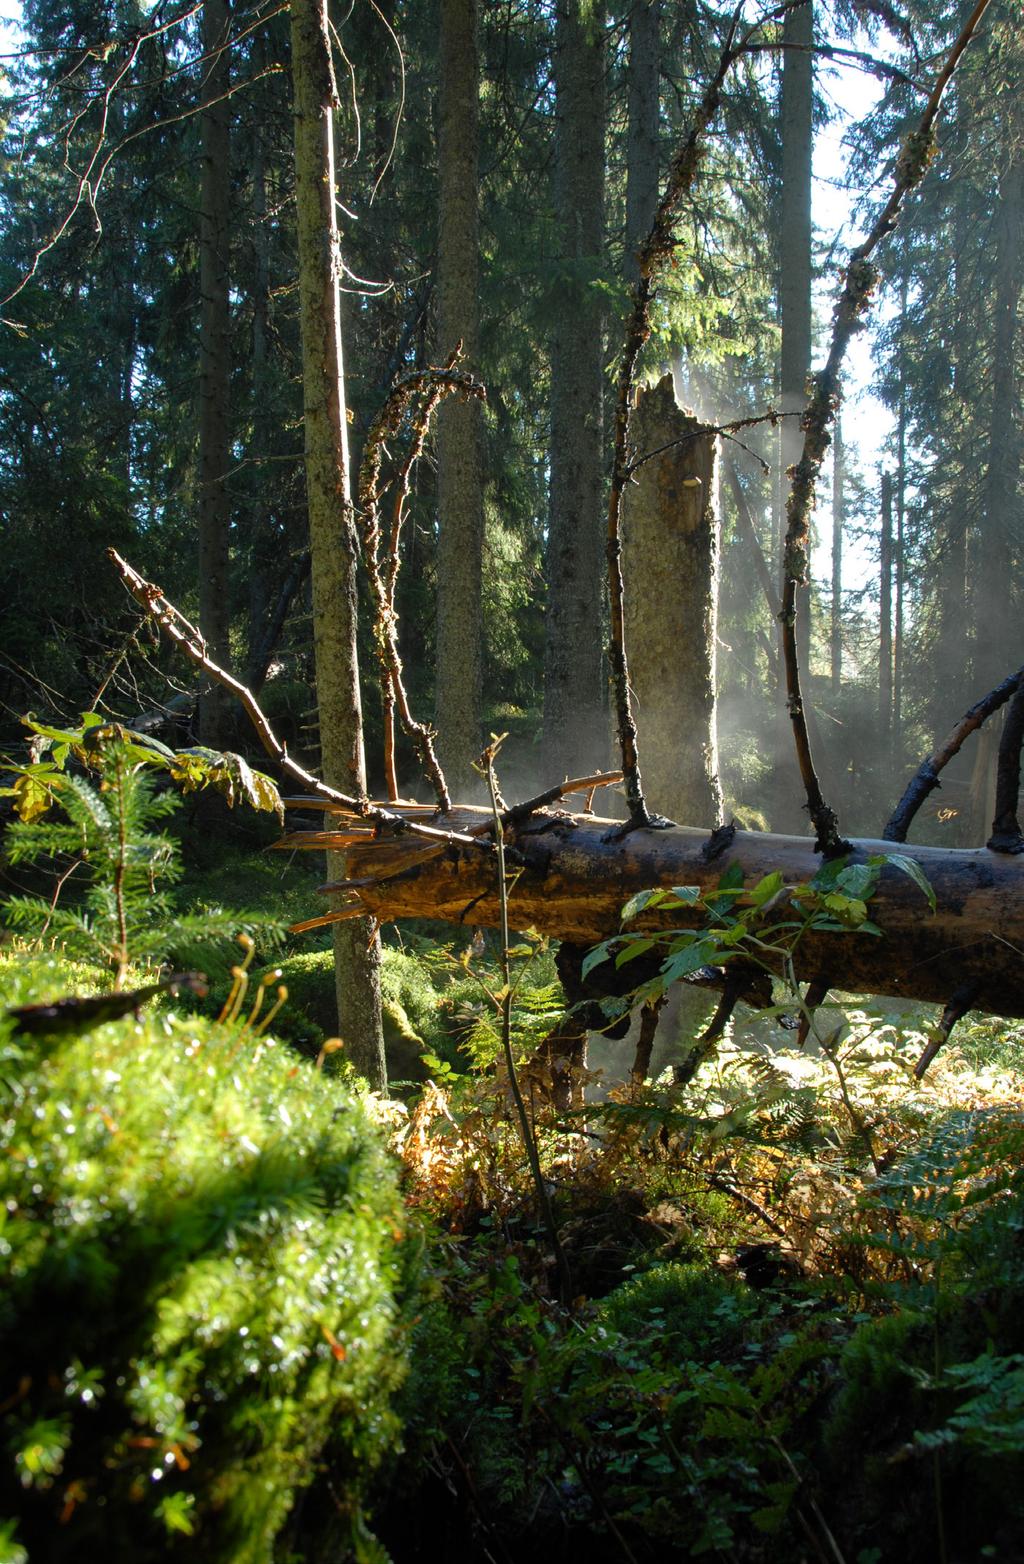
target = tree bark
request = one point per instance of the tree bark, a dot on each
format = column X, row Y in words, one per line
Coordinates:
column 885, row 617
column 215, row 367
column 332, row 534
column 838, row 523
column 459, row 421
column 642, row 161
column 574, row 719
column 572, row 877
column 796, row 130
column 998, row 629
column 795, row 235
column 670, row 556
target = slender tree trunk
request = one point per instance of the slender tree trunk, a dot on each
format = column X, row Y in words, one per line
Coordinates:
column 901, row 517
column 838, row 522
column 575, row 737
column 264, row 563
column 885, row 614
column 459, row 427
column 332, row 533
column 642, row 162
column 670, row 556
column 215, row 367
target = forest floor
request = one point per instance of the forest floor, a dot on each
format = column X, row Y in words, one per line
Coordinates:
column 794, row 1327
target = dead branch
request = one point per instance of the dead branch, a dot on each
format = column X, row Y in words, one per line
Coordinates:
column 926, row 778
column 859, row 284
column 434, row 385
column 958, row 1006
column 185, row 636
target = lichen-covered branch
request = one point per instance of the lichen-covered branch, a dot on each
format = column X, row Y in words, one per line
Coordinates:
column 859, row 284
column 433, row 385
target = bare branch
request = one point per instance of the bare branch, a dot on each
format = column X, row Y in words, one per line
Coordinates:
column 926, row 778
column 859, row 284
column 434, row 385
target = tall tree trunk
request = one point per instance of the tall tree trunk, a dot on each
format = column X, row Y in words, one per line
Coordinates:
column 999, row 635
column 574, row 708
column 332, row 533
column 215, row 367
column 796, row 131
column 670, row 556
column 885, row 615
column 838, row 522
column 642, row 162
column 459, row 430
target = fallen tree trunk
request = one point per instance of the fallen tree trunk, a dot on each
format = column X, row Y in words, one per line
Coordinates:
column 572, row 875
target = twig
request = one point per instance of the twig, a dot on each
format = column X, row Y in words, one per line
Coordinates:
column 505, row 997
column 770, row 417
column 926, row 778
column 859, row 284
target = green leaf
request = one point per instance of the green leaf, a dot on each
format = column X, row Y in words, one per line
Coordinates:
column 683, row 896
column 829, row 873
column 857, row 880
column 594, row 957
column 765, row 889
column 732, row 879
column 912, row 869
column 637, row 903
column 636, row 947
column 176, row 1513
column 690, row 959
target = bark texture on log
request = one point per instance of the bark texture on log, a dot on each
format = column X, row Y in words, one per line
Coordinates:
column 571, row 882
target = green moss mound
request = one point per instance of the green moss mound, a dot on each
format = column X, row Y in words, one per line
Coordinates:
column 200, row 1241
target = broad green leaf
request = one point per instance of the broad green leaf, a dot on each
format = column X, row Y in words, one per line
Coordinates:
column 732, row 879
column 637, row 903
column 594, row 957
column 765, row 889
column 829, row 873
column 857, row 880
column 912, row 869
column 690, row 959
column 684, row 895
column 636, row 947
